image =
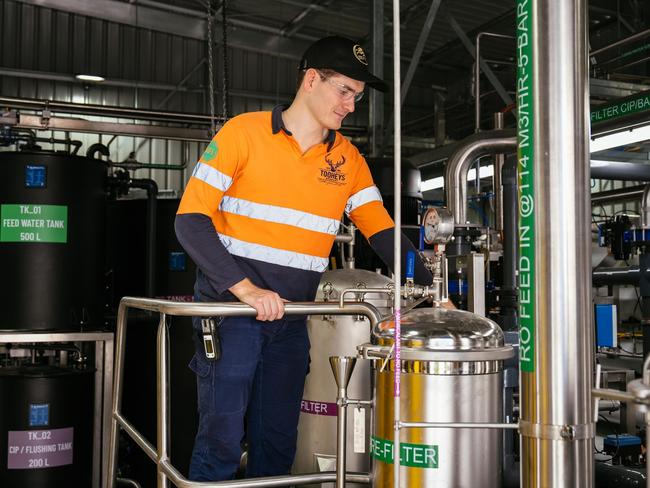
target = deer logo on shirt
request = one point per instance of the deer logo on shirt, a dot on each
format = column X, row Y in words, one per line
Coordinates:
column 331, row 174
column 334, row 166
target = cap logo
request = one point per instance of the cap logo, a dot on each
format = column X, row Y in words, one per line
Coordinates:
column 359, row 54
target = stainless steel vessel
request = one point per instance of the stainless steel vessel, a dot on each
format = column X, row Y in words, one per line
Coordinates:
column 452, row 371
column 337, row 336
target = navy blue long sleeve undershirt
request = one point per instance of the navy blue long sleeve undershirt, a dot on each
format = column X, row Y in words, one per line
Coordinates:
column 197, row 235
column 382, row 243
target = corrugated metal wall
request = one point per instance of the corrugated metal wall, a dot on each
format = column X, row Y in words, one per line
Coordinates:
column 34, row 38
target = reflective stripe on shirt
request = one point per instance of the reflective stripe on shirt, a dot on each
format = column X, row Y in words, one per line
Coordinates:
column 280, row 215
column 367, row 195
column 212, row 176
column 272, row 255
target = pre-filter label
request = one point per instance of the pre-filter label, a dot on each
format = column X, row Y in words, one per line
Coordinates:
column 36, row 449
column 411, row 455
column 33, row 223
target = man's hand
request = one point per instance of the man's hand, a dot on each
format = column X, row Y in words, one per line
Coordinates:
column 449, row 305
column 268, row 304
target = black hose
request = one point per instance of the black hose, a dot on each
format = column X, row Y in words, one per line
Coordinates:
column 508, row 297
column 97, row 148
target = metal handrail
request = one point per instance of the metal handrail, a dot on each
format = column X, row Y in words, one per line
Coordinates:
column 160, row 454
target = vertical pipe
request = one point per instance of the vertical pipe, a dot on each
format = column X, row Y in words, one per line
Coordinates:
column 477, row 86
column 152, row 215
column 108, row 370
column 439, row 119
column 162, row 381
column 120, row 340
column 499, row 159
column 645, row 207
column 397, row 237
column 556, row 357
column 508, row 297
column 341, row 423
column 98, row 420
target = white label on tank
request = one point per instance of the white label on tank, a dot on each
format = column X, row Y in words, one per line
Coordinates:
column 359, row 430
column 37, row 449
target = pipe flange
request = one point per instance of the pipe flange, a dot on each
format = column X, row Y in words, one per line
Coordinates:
column 566, row 432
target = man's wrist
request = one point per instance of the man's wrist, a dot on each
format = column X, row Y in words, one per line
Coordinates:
column 241, row 288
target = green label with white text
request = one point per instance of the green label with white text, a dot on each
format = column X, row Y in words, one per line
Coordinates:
column 620, row 108
column 411, row 455
column 525, row 173
column 33, row 223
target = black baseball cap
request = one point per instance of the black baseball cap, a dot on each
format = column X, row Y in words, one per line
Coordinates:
column 343, row 56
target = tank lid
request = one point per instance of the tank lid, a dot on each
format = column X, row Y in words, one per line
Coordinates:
column 440, row 329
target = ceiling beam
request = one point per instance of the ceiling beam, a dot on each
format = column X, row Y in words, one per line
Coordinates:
column 294, row 25
column 505, row 96
column 433, row 56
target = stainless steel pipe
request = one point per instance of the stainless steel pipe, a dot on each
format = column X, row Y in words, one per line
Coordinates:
column 556, row 346
column 497, row 178
column 342, row 368
column 161, row 455
column 232, row 309
column 397, row 240
column 458, row 165
column 645, row 207
column 341, row 423
column 477, row 75
column 103, row 110
column 162, row 398
column 458, row 425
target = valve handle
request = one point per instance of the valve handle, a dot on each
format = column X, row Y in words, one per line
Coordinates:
column 410, row 265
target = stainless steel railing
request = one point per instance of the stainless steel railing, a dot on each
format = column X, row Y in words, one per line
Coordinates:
column 160, row 454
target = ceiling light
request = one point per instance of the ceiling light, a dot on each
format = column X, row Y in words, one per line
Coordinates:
column 432, row 183
column 619, row 139
column 93, row 78
column 439, row 182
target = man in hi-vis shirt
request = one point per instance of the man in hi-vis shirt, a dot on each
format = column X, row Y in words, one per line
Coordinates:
column 258, row 217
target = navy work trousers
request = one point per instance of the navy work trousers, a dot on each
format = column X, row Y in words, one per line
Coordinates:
column 254, row 390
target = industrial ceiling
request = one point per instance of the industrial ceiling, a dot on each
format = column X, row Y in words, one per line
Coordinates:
column 46, row 42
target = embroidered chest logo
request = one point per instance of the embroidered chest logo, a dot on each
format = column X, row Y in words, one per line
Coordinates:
column 331, row 173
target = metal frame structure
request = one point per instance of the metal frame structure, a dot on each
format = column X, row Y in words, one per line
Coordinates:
column 160, row 453
column 638, row 391
column 638, row 394
column 103, row 385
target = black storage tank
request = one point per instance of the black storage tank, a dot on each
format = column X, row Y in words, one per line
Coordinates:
column 52, row 228
column 46, row 420
column 175, row 275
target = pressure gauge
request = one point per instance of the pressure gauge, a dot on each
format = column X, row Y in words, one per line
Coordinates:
column 438, row 225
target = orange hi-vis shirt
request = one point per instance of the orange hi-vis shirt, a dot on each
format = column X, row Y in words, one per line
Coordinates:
column 272, row 204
